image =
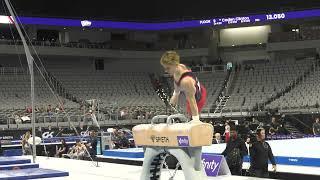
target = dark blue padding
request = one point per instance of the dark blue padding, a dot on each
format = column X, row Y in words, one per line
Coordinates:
column 125, row 154
column 13, row 160
column 293, row 161
column 18, row 166
column 12, row 152
column 32, row 173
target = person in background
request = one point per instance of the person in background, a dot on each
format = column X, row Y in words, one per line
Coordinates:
column 260, row 153
column 316, row 127
column 36, row 109
column 57, row 109
column 260, row 125
column 17, row 119
column 61, row 106
column 227, row 132
column 49, row 111
column 42, row 109
column 282, row 129
column 29, row 110
column 70, row 152
column 246, row 128
column 92, row 143
column 217, row 139
column 254, row 121
column 26, row 147
column 274, row 124
column 115, row 136
column 122, row 142
column 79, row 150
column 272, row 131
column 62, row 149
column 234, row 152
column 248, row 142
column 93, row 117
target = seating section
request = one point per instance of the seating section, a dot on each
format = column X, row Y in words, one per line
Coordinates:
column 256, row 83
column 123, row 95
column 131, row 95
column 15, row 92
column 284, row 37
column 304, row 33
column 305, row 95
column 310, row 32
column 122, row 89
column 15, row 98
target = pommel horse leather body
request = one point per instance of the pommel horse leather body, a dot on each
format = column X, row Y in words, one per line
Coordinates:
column 182, row 140
column 197, row 134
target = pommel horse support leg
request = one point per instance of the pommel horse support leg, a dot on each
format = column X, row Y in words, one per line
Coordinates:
column 182, row 140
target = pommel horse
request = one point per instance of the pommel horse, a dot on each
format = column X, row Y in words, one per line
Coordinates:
column 182, row 140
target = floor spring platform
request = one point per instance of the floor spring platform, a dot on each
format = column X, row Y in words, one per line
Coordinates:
column 22, row 168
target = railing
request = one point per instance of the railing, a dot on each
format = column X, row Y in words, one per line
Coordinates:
column 13, row 70
column 206, row 68
column 57, row 44
column 120, row 45
column 67, row 120
column 209, row 68
column 224, row 88
column 242, row 111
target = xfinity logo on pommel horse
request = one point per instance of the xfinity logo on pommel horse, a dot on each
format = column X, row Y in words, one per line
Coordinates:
column 183, row 140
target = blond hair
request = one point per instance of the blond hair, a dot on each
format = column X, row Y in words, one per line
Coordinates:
column 170, row 58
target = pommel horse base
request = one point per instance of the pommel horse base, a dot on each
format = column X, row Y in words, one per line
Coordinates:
column 182, row 140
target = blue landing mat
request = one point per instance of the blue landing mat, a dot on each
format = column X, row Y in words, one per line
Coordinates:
column 12, row 152
column 127, row 153
column 13, row 160
column 18, row 166
column 32, row 173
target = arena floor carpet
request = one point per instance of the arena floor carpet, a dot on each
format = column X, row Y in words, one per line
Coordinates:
column 86, row 170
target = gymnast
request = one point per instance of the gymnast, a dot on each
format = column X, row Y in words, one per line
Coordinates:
column 184, row 82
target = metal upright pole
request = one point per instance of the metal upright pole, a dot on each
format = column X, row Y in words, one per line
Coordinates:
column 30, row 64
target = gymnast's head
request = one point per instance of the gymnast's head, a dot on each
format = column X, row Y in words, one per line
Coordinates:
column 170, row 61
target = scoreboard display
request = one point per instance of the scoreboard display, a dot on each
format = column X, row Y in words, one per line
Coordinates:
column 247, row 19
column 262, row 18
column 220, row 21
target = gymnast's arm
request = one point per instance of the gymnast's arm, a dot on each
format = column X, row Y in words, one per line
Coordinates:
column 175, row 97
column 188, row 85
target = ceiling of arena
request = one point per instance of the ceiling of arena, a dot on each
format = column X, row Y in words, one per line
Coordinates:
column 153, row 10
